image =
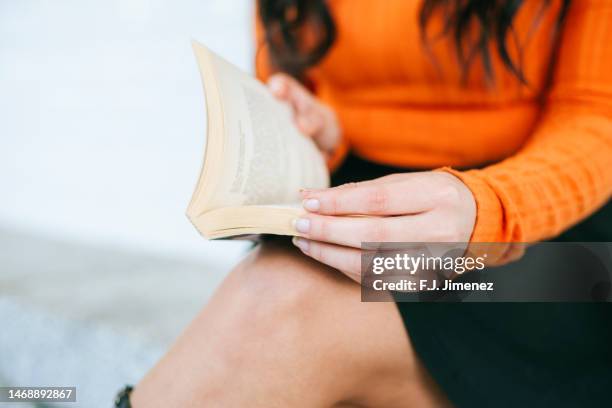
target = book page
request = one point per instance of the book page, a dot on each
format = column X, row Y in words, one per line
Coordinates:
column 266, row 160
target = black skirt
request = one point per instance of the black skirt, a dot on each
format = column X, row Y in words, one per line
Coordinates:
column 512, row 354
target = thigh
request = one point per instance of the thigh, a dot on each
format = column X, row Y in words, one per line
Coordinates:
column 284, row 330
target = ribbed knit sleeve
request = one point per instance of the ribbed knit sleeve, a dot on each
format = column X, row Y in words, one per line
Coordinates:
column 563, row 173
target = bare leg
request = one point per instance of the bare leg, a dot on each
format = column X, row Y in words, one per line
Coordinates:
column 285, row 331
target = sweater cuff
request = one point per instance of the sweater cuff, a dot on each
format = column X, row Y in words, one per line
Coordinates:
column 488, row 235
column 489, row 210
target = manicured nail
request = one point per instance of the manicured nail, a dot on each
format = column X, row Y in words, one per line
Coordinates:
column 302, row 225
column 275, row 85
column 311, row 204
column 301, row 243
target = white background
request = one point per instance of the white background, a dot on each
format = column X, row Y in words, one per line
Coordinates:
column 102, row 118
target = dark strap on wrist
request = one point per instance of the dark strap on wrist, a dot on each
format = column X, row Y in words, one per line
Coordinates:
column 122, row 400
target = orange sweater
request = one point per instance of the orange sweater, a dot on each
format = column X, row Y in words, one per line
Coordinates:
column 547, row 148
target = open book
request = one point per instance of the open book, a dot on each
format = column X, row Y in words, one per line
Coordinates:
column 255, row 161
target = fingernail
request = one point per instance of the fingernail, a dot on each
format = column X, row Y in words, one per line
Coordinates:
column 311, row 204
column 301, row 243
column 275, row 85
column 302, row 225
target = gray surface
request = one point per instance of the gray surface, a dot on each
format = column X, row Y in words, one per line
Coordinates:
column 90, row 317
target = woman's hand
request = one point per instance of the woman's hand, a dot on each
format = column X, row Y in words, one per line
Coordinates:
column 412, row 207
column 312, row 118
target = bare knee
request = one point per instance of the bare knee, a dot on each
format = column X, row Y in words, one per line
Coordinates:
column 286, row 300
column 282, row 325
column 360, row 350
column 311, row 320
column 276, row 282
column 277, row 324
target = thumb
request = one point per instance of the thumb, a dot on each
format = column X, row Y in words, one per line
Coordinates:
column 288, row 89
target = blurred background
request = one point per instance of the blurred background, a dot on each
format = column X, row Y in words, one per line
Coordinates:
column 102, row 130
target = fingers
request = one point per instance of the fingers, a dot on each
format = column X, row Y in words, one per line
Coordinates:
column 345, row 259
column 352, row 231
column 308, row 117
column 391, row 196
column 288, row 89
